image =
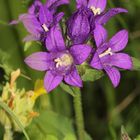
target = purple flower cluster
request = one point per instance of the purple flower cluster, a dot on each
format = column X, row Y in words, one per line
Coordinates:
column 60, row 61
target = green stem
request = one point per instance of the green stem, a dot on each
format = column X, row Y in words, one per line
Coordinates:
column 79, row 116
column 14, row 117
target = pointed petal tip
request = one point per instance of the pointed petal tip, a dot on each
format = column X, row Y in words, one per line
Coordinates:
column 113, row 74
column 124, row 10
column 95, row 62
column 130, row 63
column 104, row 18
column 74, row 79
column 124, row 31
column 80, row 85
column 120, row 10
column 38, row 61
column 115, row 85
column 14, row 22
column 119, row 41
column 26, row 60
column 51, row 81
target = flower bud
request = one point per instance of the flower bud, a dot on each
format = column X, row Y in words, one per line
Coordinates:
column 80, row 25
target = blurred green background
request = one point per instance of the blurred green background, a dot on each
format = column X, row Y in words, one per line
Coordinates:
column 105, row 109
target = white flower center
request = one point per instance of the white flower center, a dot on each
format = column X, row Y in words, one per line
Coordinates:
column 64, row 60
column 107, row 52
column 96, row 11
column 44, row 26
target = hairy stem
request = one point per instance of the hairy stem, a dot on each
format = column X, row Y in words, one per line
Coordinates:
column 79, row 116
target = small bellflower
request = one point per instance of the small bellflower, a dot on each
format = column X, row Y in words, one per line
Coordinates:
column 108, row 56
column 41, row 18
column 59, row 62
column 81, row 24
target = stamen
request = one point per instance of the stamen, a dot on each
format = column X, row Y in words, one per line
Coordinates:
column 96, row 11
column 45, row 27
column 107, row 52
column 64, row 60
column 58, row 62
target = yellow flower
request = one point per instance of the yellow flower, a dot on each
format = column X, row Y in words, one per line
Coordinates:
column 38, row 89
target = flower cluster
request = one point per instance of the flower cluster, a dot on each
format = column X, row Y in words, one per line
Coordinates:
column 59, row 61
column 20, row 101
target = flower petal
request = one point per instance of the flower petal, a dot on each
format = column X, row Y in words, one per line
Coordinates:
column 98, row 4
column 81, row 3
column 113, row 74
column 80, row 53
column 53, row 4
column 73, row 79
column 29, row 38
column 120, row 60
column 100, row 35
column 14, row 22
column 79, row 26
column 95, row 62
column 35, row 7
column 38, row 61
column 45, row 16
column 58, row 17
column 54, row 39
column 119, row 41
column 51, row 81
column 31, row 24
column 105, row 17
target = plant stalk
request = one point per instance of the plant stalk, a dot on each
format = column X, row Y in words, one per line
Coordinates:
column 79, row 116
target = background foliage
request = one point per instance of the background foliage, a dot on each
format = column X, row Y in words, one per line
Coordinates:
column 105, row 109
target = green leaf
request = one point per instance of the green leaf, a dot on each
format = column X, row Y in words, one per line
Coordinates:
column 136, row 64
column 27, row 45
column 51, row 137
column 70, row 137
column 92, row 75
column 8, row 110
column 73, row 137
column 50, row 123
column 137, row 138
column 89, row 74
column 31, row 44
column 124, row 135
column 70, row 89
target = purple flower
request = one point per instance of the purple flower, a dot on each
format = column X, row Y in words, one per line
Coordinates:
column 59, row 62
column 89, row 14
column 41, row 18
column 108, row 56
column 80, row 25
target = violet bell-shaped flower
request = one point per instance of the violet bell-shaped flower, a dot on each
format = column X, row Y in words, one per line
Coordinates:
column 41, row 18
column 59, row 62
column 80, row 28
column 108, row 56
column 80, row 25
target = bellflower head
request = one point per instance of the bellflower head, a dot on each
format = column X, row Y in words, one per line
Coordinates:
column 108, row 56
column 59, row 62
column 80, row 25
column 80, row 28
column 41, row 18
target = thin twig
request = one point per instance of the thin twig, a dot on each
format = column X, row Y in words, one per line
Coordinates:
column 126, row 102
